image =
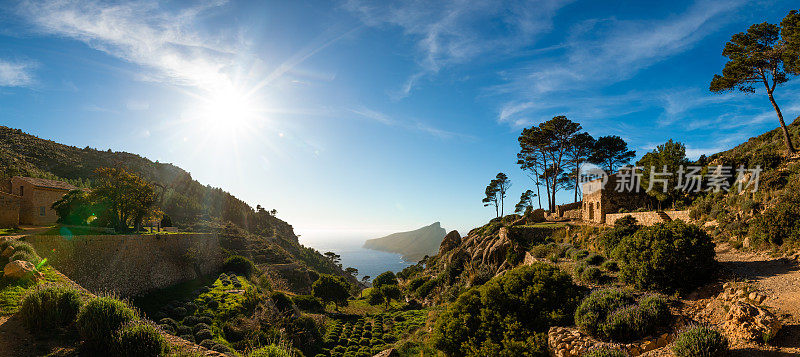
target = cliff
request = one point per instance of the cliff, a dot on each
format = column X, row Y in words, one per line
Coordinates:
column 413, row 245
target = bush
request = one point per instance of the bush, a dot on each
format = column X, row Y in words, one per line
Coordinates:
column 99, row 320
column 612, row 313
column 203, row 335
column 666, row 257
column 140, row 340
column 611, row 266
column 623, row 227
column 593, row 310
column 282, row 302
column 50, row 307
column 270, row 351
column 595, row 259
column 239, row 265
column 592, row 275
column 308, row 303
column 425, row 289
column 26, row 256
column 530, row 298
column 700, row 341
column 201, row 326
column 605, row 352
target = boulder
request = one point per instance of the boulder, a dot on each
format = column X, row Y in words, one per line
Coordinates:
column 20, row 269
column 8, row 252
column 450, row 241
column 388, row 353
column 749, row 322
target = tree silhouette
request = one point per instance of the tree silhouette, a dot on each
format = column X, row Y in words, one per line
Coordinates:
column 610, row 152
column 525, row 202
column 766, row 54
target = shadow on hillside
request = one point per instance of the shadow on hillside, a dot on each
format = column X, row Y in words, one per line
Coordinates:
column 760, row 268
column 788, row 337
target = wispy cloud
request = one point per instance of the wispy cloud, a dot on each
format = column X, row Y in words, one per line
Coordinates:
column 602, row 52
column 413, row 125
column 16, row 74
column 452, row 32
column 144, row 33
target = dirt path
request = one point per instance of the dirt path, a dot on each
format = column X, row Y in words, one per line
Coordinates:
column 779, row 279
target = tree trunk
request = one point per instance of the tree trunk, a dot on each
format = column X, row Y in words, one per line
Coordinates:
column 787, row 140
column 539, row 195
column 577, row 180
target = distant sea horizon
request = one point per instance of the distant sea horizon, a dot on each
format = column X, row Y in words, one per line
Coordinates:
column 349, row 245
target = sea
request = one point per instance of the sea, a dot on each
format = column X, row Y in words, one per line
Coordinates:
column 348, row 244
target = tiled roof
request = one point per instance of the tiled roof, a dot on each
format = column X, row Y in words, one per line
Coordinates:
column 39, row 182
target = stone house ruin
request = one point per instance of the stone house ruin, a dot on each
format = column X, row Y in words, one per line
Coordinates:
column 600, row 200
column 28, row 201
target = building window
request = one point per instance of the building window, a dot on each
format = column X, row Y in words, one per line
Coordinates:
column 41, row 211
column 22, row 190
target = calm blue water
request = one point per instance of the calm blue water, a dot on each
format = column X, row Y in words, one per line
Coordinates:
column 348, row 245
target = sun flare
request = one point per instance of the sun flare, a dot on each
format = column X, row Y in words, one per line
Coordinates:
column 228, row 113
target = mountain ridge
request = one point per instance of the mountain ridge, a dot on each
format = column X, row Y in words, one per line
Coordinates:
column 413, row 245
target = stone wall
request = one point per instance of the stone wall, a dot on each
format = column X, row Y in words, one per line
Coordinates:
column 649, row 218
column 131, row 265
column 9, row 210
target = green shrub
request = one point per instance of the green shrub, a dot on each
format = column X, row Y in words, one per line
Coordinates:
column 282, row 302
column 595, row 259
column 26, row 256
column 50, row 307
column 308, row 303
column 594, row 309
column 99, row 320
column 530, row 298
column 415, row 283
column 611, row 266
column 426, row 288
column 272, row 351
column 203, row 335
column 666, row 257
column 700, row 341
column 139, row 339
column 578, row 254
column 780, row 222
column 201, row 326
column 612, row 313
column 592, row 275
column 623, row 227
column 605, row 352
column 239, row 265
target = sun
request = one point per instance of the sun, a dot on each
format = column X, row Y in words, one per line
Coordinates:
column 228, row 113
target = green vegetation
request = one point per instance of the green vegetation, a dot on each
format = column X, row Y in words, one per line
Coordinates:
column 618, row 315
column 331, row 289
column 496, row 193
column 99, row 320
column 700, row 341
column 666, row 257
column 140, row 339
column 239, row 265
column 526, row 300
column 47, row 308
column 270, row 351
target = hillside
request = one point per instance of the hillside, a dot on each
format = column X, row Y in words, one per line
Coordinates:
column 413, row 245
column 191, row 205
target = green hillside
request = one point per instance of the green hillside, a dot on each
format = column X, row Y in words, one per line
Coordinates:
column 190, row 204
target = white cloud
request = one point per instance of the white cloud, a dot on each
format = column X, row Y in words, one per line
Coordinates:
column 419, row 126
column 602, row 52
column 15, row 74
column 452, row 32
column 144, row 33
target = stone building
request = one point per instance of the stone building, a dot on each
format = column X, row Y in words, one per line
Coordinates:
column 600, row 200
column 29, row 200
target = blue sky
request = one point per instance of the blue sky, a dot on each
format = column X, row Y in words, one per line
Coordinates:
column 377, row 116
